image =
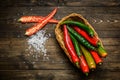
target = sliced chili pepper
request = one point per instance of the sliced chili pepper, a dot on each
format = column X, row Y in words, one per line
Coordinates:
column 27, row 19
column 69, row 46
column 96, row 57
column 92, row 40
column 101, row 51
column 41, row 24
column 82, row 40
column 88, row 57
column 83, row 63
column 81, row 25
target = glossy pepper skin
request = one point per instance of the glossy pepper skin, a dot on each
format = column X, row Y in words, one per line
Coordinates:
column 81, row 25
column 96, row 57
column 69, row 46
column 88, row 57
column 82, row 40
column 28, row 19
column 92, row 40
column 83, row 63
column 41, row 24
column 101, row 51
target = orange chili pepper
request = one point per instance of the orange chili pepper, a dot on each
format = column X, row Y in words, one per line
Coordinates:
column 41, row 24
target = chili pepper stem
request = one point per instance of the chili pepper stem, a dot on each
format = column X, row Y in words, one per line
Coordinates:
column 77, row 64
column 86, row 74
column 19, row 20
column 92, row 69
column 100, row 63
column 98, row 44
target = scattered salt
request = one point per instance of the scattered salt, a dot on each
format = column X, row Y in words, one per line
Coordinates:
column 31, row 9
column 37, row 41
column 36, row 45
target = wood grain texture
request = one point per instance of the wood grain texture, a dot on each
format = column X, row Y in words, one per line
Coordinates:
column 18, row 64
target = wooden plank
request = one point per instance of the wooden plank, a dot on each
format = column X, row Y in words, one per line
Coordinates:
column 58, row 75
column 94, row 3
column 27, row 64
column 16, row 12
column 27, row 3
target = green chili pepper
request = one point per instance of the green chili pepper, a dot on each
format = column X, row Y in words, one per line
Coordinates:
column 101, row 51
column 81, row 25
column 76, row 45
column 81, row 39
column 88, row 57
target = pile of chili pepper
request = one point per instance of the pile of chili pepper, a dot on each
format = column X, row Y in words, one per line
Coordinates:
column 83, row 46
column 39, row 20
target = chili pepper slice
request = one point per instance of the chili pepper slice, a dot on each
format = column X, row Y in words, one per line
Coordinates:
column 88, row 57
column 81, row 25
column 101, row 51
column 81, row 39
column 96, row 57
column 69, row 46
column 41, row 24
column 92, row 40
column 27, row 19
column 83, row 63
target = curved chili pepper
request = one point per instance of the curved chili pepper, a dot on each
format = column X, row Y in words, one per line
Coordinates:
column 27, row 19
column 41, row 24
column 88, row 57
column 101, row 51
column 81, row 39
column 83, row 63
column 69, row 46
column 81, row 25
column 92, row 40
column 96, row 57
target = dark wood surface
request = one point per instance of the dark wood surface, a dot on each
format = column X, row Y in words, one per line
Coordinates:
column 104, row 15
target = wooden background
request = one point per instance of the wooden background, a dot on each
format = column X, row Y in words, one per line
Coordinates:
column 104, row 15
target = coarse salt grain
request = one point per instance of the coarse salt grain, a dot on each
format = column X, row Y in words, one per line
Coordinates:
column 36, row 45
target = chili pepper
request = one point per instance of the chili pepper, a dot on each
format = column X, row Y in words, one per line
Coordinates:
column 83, row 63
column 69, row 46
column 101, row 51
column 27, row 19
column 92, row 40
column 81, row 39
column 81, row 25
column 96, row 57
column 41, row 24
column 88, row 57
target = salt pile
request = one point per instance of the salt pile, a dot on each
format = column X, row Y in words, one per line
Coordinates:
column 36, row 45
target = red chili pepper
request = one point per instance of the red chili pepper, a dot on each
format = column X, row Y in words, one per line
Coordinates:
column 96, row 57
column 27, row 19
column 83, row 65
column 69, row 46
column 41, row 24
column 92, row 40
